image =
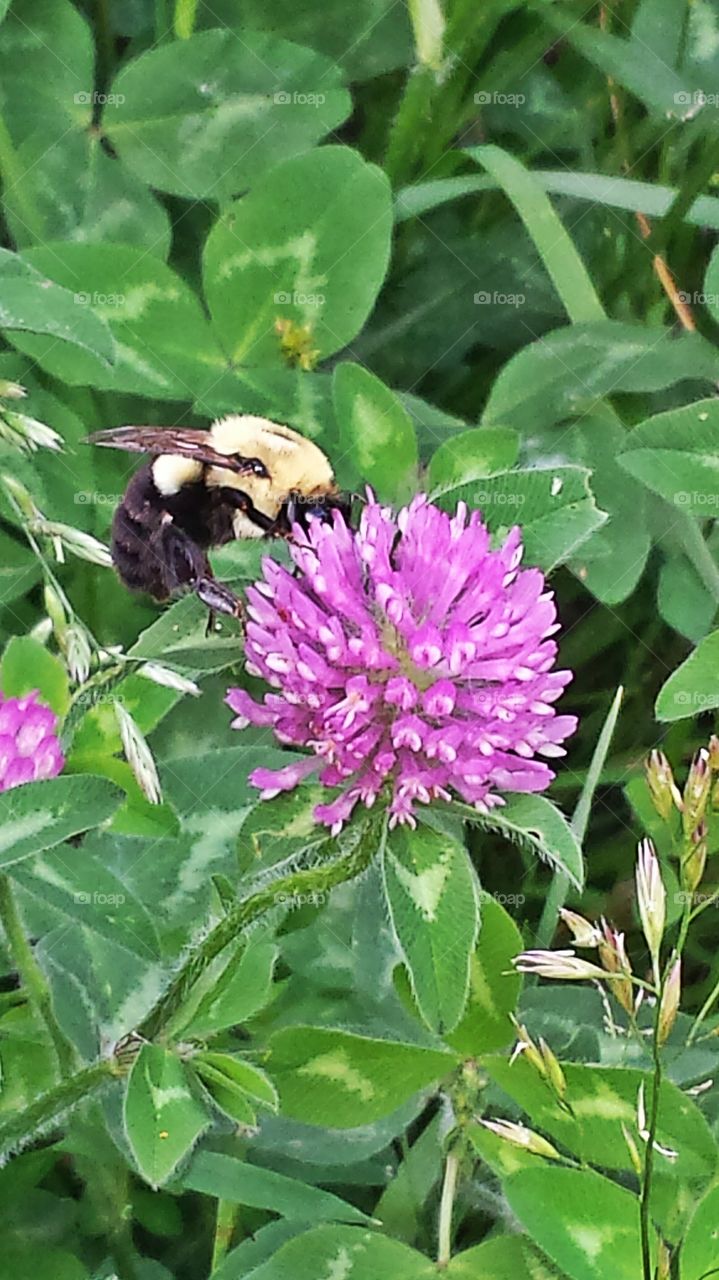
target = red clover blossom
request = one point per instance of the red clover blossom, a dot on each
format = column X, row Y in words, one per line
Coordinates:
column 407, row 654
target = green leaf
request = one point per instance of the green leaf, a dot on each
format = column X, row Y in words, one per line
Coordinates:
column 501, row 1258
column 675, row 454
column 230, row 1179
column 694, row 686
column 534, row 821
column 631, row 63
column 608, row 190
column 164, row 347
column 567, row 371
column 163, row 1119
column 431, row 893
column 376, row 433
column 344, row 1253
column 19, row 569
column 27, row 665
column 207, row 116
column 46, row 44
column 553, row 244
column 83, row 194
column 682, row 597
column 555, row 507
column 472, row 455
column 27, row 1260
column 700, row 1251
column 39, row 815
column 31, row 301
column 586, row 1224
column 338, row 1079
column 242, row 989
column 309, row 244
column 493, row 984
column 86, row 892
column 601, row 1100
column 236, row 1086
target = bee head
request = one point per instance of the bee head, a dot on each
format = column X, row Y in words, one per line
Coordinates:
column 299, row 508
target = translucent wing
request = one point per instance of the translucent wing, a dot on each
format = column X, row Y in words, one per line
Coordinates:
column 184, row 442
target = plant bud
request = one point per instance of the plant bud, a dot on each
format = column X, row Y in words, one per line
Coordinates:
column 20, row 496
column 613, row 955
column 170, row 679
column 584, row 933
column 56, row 613
column 651, row 899
column 81, row 544
column 28, row 434
column 78, row 652
column 11, row 390
column 670, row 1001
column 633, row 1150
column 662, row 787
column 526, row 1046
column 527, row 1139
column 694, row 860
column 557, row 964
column 553, row 1071
column 138, row 755
column 696, row 791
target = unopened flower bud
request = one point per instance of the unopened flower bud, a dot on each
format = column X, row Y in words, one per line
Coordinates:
column 696, row 791
column 138, row 755
column 80, row 543
column 20, row 496
column 584, row 933
column 651, row 899
column 664, row 1261
column 11, row 390
column 714, row 753
column 526, row 1047
column 695, row 856
column 519, row 1136
column 56, row 613
column 78, row 652
column 613, row 955
column 553, row 1072
column 633, row 1150
column 557, row 964
column 170, row 679
column 27, row 433
column 670, row 1001
column 662, row 787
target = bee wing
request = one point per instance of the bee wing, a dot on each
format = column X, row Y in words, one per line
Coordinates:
column 185, row 442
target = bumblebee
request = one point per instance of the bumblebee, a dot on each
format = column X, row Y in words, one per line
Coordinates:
column 246, row 477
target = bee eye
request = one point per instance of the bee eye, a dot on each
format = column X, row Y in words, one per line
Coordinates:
column 258, row 468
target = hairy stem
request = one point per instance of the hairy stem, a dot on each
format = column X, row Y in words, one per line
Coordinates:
column 33, row 979
column 21, row 1127
column 319, row 879
column 446, row 1206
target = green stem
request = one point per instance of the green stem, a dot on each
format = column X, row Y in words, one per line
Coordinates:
column 12, row 178
column 446, row 1206
column 415, row 113
column 319, row 879
column 185, row 15
column 21, row 1127
column 32, row 976
column 646, row 1189
column 696, row 549
column 710, row 1000
column 227, row 1215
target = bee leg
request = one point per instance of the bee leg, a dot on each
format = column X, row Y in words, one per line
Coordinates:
column 186, row 565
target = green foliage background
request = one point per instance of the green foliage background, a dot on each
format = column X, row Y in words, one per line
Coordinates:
column 488, row 234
